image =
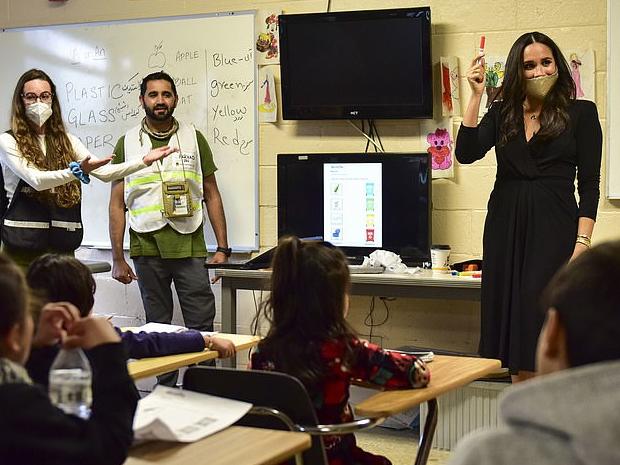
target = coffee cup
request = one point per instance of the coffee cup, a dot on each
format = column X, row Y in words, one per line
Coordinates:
column 440, row 257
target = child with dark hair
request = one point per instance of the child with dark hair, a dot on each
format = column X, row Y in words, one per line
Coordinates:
column 310, row 339
column 32, row 430
column 62, row 278
column 569, row 415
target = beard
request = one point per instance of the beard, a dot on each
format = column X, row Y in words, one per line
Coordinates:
column 154, row 113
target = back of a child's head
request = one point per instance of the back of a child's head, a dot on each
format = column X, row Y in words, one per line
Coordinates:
column 14, row 298
column 309, row 284
column 62, row 278
column 586, row 295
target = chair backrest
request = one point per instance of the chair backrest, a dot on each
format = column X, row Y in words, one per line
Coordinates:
column 262, row 389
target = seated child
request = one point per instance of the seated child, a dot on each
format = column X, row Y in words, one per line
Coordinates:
column 310, row 339
column 62, row 278
column 32, row 430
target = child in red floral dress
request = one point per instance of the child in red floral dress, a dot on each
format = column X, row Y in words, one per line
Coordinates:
column 310, row 339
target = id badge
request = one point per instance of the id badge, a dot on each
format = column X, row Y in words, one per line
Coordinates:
column 177, row 201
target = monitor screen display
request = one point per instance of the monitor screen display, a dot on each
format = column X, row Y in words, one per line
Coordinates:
column 357, row 64
column 360, row 202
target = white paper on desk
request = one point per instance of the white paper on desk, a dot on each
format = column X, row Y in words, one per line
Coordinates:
column 164, row 328
column 184, row 416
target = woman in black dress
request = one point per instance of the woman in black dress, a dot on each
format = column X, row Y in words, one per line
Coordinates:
column 543, row 138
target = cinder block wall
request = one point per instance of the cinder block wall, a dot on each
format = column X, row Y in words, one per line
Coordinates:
column 459, row 204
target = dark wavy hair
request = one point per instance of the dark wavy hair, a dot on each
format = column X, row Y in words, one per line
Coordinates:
column 58, row 278
column 586, row 295
column 59, row 151
column 309, row 283
column 554, row 118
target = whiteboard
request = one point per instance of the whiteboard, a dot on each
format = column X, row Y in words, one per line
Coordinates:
column 97, row 69
column 613, row 100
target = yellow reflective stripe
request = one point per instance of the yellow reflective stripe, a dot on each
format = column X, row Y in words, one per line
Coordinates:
column 167, row 175
column 155, row 208
column 144, row 180
column 143, row 210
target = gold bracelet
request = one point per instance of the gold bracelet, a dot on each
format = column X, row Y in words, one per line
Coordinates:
column 210, row 343
column 583, row 239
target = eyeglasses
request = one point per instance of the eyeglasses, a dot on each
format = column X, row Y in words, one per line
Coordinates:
column 31, row 97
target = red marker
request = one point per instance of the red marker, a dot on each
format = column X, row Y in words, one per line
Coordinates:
column 481, row 47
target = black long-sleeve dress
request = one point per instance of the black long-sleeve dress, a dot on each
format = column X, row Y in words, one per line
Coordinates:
column 531, row 223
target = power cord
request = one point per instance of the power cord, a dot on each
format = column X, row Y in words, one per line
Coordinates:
column 369, row 321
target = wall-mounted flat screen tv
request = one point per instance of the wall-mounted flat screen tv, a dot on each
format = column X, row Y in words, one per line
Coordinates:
column 358, row 202
column 357, row 64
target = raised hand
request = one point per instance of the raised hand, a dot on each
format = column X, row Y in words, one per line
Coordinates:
column 89, row 164
column 475, row 75
column 158, row 154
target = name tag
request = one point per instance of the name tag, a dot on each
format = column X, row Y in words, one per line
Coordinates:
column 176, row 199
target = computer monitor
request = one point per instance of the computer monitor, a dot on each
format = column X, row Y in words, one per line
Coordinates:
column 367, row 64
column 359, row 202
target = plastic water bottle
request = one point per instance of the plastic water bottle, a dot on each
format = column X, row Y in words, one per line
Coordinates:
column 70, row 383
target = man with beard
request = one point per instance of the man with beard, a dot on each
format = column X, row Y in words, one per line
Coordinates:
column 165, row 212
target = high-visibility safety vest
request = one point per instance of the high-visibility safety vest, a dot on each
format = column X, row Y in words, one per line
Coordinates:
column 34, row 225
column 143, row 189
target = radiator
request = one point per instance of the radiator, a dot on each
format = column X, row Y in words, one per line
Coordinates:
column 464, row 410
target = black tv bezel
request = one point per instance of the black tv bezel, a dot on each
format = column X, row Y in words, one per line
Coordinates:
column 323, row 112
column 356, row 254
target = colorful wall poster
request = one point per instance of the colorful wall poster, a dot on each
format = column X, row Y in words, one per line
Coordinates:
column 439, row 142
column 267, row 40
column 267, row 104
column 582, row 69
column 494, row 68
column 450, row 95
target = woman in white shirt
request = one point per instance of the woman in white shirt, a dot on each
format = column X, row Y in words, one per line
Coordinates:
column 42, row 194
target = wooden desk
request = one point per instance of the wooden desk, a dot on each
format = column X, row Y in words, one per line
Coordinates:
column 235, row 445
column 152, row 366
column 447, row 373
column 425, row 285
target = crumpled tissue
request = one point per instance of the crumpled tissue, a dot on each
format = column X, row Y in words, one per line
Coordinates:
column 391, row 261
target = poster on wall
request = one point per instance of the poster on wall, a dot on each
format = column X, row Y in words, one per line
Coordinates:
column 267, row 104
column 581, row 65
column 494, row 68
column 267, row 30
column 439, row 143
column 450, row 95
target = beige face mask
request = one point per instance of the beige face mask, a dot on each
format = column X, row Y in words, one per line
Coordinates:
column 539, row 87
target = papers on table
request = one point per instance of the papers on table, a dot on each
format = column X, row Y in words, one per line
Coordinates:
column 164, row 328
column 184, row 416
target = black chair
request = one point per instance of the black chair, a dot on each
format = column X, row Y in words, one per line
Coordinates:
column 280, row 401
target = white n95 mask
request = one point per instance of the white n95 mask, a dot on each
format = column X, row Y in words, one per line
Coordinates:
column 39, row 112
column 539, row 87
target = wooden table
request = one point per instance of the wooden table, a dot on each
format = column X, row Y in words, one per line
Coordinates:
column 447, row 373
column 235, row 445
column 153, row 366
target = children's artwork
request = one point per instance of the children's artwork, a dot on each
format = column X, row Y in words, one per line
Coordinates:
column 494, row 68
column 450, row 95
column 581, row 65
column 439, row 142
column 267, row 105
column 267, row 45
